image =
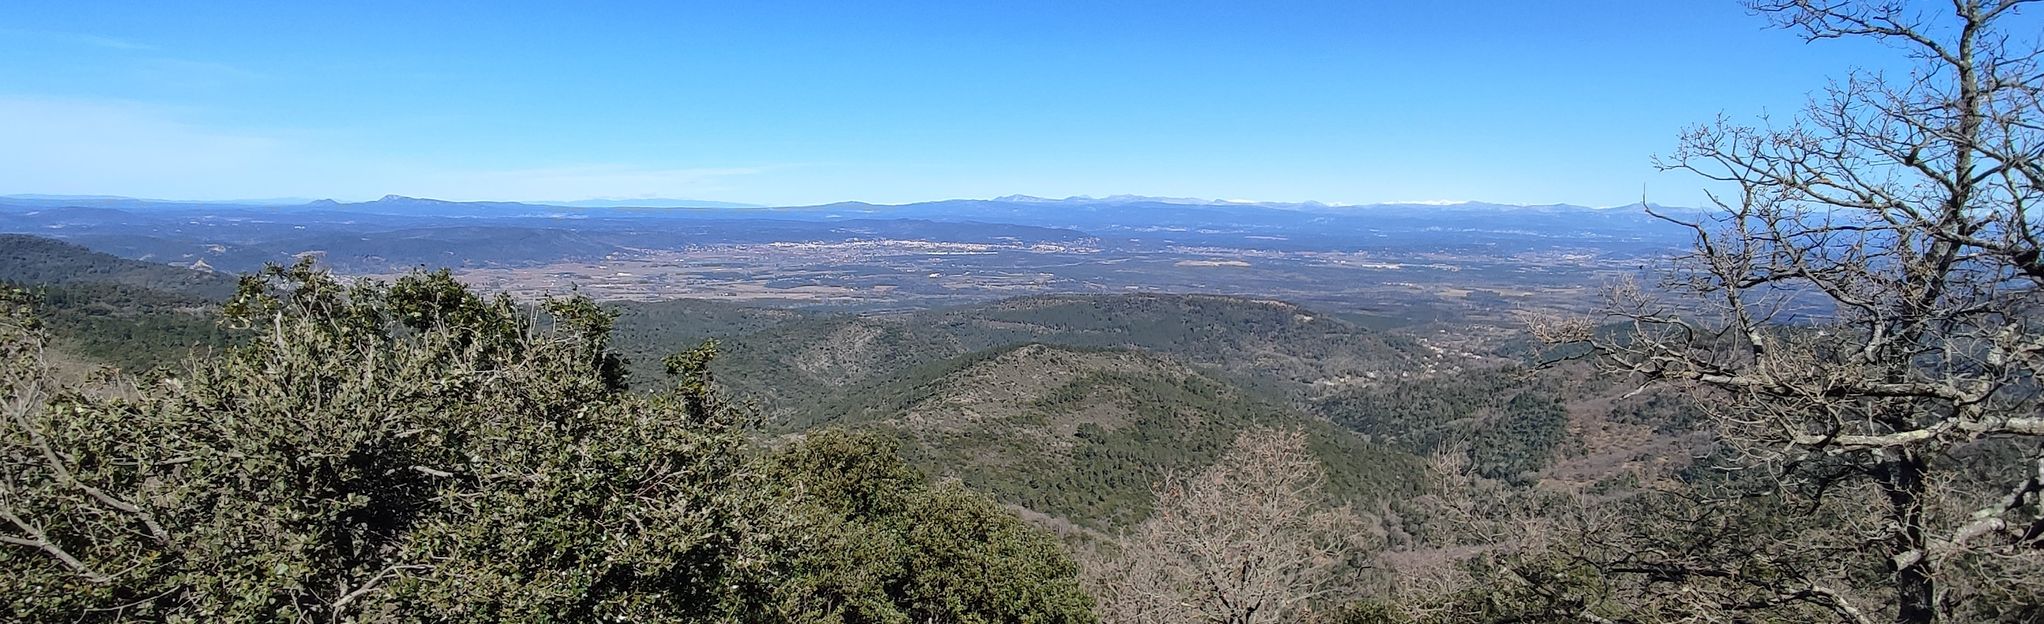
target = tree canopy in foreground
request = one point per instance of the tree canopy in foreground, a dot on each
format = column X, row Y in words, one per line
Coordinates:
column 412, row 451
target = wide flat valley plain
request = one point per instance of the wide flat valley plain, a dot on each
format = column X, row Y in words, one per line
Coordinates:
column 916, row 273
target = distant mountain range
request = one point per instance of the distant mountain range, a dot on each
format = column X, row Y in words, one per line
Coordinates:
column 116, row 201
column 1193, row 220
column 647, row 203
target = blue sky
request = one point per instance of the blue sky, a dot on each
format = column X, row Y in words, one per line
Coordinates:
column 792, row 103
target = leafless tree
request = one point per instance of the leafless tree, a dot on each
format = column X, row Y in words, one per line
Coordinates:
column 1864, row 296
column 1248, row 540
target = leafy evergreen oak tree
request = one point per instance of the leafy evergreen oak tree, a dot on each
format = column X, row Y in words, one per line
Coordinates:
column 858, row 536
column 414, row 452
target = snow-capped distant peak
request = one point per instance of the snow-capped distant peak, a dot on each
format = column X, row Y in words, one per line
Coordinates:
column 1112, row 199
column 1024, row 199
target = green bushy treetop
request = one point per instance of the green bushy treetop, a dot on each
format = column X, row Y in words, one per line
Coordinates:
column 413, row 451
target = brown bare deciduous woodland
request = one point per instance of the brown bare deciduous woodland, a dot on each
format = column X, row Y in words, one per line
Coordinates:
column 1248, row 540
column 1862, row 305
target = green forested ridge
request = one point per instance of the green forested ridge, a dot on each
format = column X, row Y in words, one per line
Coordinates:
column 1273, row 347
column 42, row 261
column 125, row 313
column 795, row 369
column 650, row 330
column 129, row 327
column 1509, row 420
column 1528, row 424
column 1089, row 447
column 1084, row 433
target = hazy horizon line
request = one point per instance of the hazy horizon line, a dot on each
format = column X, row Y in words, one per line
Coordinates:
column 623, row 202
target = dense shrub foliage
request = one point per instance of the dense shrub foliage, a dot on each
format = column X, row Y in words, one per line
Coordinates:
column 861, row 537
column 415, row 452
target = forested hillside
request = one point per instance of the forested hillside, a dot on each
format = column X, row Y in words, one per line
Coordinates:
column 42, row 261
column 1273, row 347
column 108, row 310
column 1083, row 434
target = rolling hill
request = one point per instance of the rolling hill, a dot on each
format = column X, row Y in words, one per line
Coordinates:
column 1273, row 347
column 28, row 259
column 1083, row 434
column 109, row 310
column 1070, row 405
